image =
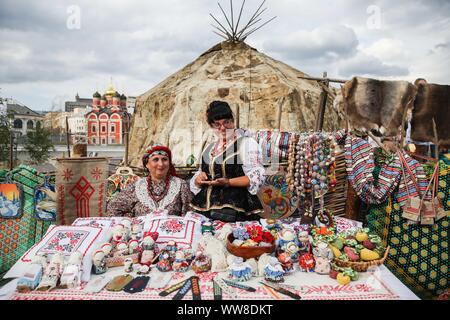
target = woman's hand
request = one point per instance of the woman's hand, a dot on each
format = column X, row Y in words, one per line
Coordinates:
column 201, row 179
column 221, row 182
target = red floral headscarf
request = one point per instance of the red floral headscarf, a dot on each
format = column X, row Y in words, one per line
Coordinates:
column 159, row 150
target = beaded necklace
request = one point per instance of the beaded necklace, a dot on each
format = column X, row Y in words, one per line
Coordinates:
column 159, row 190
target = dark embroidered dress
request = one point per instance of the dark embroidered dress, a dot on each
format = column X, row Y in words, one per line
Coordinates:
column 219, row 201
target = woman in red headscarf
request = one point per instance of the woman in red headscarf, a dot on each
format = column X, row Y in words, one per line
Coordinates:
column 160, row 190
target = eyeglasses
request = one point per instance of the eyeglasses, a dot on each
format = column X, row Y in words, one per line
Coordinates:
column 227, row 123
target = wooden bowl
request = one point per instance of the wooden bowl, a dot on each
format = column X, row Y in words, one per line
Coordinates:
column 247, row 252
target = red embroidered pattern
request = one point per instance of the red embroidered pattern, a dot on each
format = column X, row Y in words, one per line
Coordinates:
column 82, row 192
column 96, row 173
column 67, row 174
column 172, row 226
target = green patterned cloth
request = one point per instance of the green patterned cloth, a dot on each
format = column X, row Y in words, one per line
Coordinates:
column 18, row 235
column 418, row 255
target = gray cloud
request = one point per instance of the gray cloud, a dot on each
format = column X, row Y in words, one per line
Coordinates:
column 140, row 43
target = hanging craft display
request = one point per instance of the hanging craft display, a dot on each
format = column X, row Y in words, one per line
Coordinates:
column 311, row 168
column 11, row 200
column 274, row 145
column 81, row 188
column 46, row 205
column 119, row 181
column 276, row 198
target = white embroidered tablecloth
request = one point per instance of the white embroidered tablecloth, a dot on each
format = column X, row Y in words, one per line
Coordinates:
column 380, row 284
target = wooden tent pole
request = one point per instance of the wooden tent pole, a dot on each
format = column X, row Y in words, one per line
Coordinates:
column 322, row 104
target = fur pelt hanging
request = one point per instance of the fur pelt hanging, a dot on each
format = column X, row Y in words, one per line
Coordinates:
column 432, row 101
column 375, row 104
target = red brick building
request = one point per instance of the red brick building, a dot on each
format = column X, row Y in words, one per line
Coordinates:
column 109, row 119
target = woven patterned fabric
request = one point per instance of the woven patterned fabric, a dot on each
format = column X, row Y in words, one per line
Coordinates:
column 407, row 187
column 18, row 235
column 418, row 254
column 360, row 164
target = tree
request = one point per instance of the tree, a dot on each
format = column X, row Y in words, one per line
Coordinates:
column 4, row 138
column 39, row 144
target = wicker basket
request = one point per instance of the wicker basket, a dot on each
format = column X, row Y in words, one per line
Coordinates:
column 247, row 252
column 362, row 266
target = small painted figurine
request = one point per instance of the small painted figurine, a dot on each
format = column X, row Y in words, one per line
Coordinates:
column 99, row 262
column 128, row 265
column 286, row 262
column 306, row 262
column 147, row 257
column 181, row 264
column 71, row 276
column 52, row 273
column 240, row 270
column 273, row 271
column 303, row 242
column 292, row 249
column 323, row 256
column 285, row 236
column 201, row 263
column 31, row 278
column 172, row 248
column 165, row 262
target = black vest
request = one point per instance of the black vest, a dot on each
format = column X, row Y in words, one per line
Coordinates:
column 227, row 164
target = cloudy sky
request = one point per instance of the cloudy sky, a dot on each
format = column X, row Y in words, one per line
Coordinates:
column 50, row 50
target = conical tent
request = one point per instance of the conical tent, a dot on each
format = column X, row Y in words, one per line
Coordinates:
column 259, row 89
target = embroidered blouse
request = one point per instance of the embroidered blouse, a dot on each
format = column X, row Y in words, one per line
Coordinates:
column 135, row 200
column 251, row 155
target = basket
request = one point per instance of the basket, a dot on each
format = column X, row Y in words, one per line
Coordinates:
column 247, row 252
column 362, row 266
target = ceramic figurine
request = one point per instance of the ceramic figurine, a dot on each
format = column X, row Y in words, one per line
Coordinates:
column 240, row 270
column 99, row 262
column 133, row 246
column 306, row 262
column 71, row 276
column 172, row 248
column 285, row 236
column 128, row 265
column 52, row 273
column 254, row 265
column 181, row 264
column 106, row 248
column 292, row 249
column 165, row 262
column 263, row 260
column 303, row 242
column 273, row 271
column 286, row 262
column 201, row 263
column 323, row 256
column 31, row 278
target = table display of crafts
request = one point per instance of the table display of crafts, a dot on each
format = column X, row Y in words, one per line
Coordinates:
column 236, row 252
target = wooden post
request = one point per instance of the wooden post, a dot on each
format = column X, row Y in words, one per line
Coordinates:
column 237, row 115
column 322, row 104
column 126, row 149
column 67, row 137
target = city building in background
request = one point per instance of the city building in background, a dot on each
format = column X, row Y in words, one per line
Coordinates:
column 109, row 119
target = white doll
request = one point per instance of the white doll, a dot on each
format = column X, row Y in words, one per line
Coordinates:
column 31, row 278
column 99, row 262
column 133, row 246
column 71, row 276
column 52, row 273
